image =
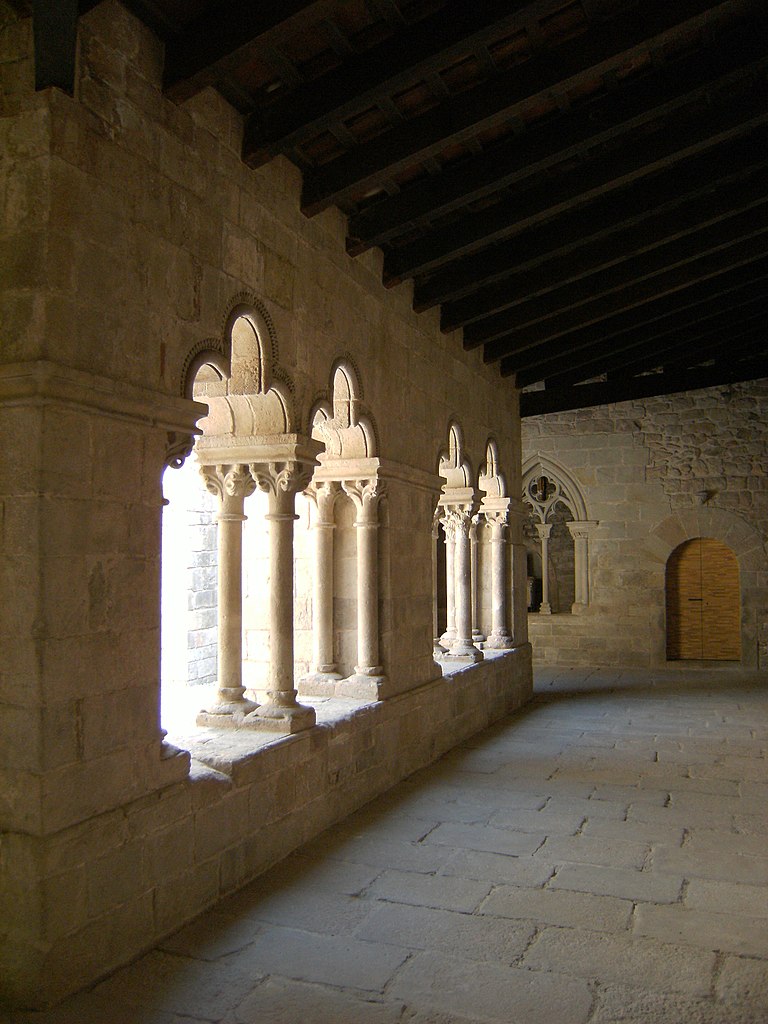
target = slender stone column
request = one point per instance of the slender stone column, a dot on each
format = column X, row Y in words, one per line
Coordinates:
column 324, row 496
column 366, row 495
column 580, row 532
column 232, row 484
column 449, row 636
column 462, row 648
column 281, row 712
column 544, row 530
column 500, row 638
column 477, row 634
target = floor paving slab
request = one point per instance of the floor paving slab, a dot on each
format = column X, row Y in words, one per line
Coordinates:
column 743, row 982
column 282, row 1000
column 625, row 883
column 438, row 891
column 325, row 959
column 462, row 935
column 726, row 898
column 559, row 907
column 491, row 993
column 623, row 959
column 584, row 849
column 498, row 867
column 487, row 839
column 678, row 924
column 617, row 1004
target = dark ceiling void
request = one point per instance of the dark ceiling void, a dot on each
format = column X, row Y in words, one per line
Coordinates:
column 581, row 186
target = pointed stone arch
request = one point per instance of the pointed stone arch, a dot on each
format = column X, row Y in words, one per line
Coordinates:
column 548, row 486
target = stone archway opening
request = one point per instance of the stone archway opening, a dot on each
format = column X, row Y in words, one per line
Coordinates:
column 188, row 574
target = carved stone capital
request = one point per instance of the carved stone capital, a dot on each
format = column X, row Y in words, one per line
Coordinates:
column 230, row 483
column 323, row 494
column 498, row 522
column 581, row 530
column 458, row 519
column 179, row 448
column 543, row 530
column 366, row 494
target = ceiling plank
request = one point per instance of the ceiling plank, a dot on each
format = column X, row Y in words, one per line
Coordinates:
column 613, row 213
column 549, row 319
column 584, row 396
column 651, row 96
column 214, row 44
column 497, row 100
column 669, row 144
column 579, row 348
column 733, row 322
column 364, row 79
column 701, row 221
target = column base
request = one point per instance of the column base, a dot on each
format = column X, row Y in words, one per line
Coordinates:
column 437, row 649
column 226, row 716
column 478, row 637
column 361, row 685
column 275, row 718
column 462, row 653
column 545, row 608
column 319, row 684
column 578, row 608
column 499, row 642
column 448, row 640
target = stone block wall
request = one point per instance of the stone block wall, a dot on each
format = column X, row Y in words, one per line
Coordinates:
column 655, row 473
column 133, row 231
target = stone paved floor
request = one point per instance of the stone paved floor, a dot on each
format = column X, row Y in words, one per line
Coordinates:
column 600, row 857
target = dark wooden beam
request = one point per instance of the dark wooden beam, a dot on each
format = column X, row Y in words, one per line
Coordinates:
column 152, row 13
column 686, row 326
column 215, row 43
column 695, row 226
column 611, row 214
column 650, row 97
column 628, row 273
column 670, row 312
column 750, row 243
column 54, row 30
column 585, row 396
column 497, row 100
column 648, row 154
column 366, row 78
column 672, row 346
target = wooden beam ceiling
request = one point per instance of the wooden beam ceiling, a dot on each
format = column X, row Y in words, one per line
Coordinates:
column 582, row 186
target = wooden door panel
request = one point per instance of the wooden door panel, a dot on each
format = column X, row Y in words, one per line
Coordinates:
column 703, row 602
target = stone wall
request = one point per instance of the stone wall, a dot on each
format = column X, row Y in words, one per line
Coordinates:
column 655, row 473
column 133, row 232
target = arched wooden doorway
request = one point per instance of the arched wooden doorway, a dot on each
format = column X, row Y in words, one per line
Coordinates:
column 703, row 602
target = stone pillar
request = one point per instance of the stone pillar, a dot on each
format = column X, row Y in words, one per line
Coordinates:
column 580, row 532
column 477, row 634
column 449, row 636
column 231, row 484
column 517, row 518
column 500, row 638
column 462, row 648
column 324, row 497
column 281, row 712
column 544, row 530
column 366, row 495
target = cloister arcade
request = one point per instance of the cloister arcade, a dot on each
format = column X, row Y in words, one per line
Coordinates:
column 302, row 529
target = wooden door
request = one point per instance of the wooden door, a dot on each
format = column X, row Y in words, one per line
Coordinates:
column 703, row 602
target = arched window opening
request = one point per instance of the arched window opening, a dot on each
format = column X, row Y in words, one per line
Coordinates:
column 557, row 538
column 189, row 587
column 703, row 602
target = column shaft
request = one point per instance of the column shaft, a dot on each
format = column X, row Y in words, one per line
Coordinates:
column 499, row 638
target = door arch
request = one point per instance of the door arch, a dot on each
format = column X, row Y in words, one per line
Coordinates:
column 703, row 602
